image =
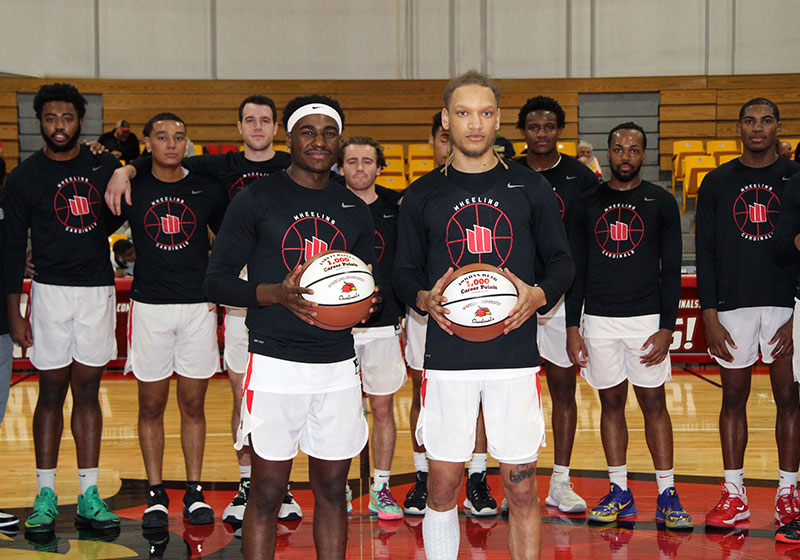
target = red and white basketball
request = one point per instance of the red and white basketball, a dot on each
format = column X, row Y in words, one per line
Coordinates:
column 479, row 297
column 343, row 287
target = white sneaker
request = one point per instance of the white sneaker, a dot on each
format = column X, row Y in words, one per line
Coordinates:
column 563, row 497
column 290, row 510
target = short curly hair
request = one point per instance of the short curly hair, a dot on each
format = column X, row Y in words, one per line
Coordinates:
column 59, row 92
column 542, row 103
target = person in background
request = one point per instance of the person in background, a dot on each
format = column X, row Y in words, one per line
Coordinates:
column 784, row 148
column 124, row 258
column 586, row 157
column 121, row 142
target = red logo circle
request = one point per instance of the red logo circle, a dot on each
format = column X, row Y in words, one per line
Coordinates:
column 619, row 231
column 170, row 223
column 77, row 204
column 479, row 232
column 308, row 236
column 755, row 212
column 380, row 245
column 243, row 181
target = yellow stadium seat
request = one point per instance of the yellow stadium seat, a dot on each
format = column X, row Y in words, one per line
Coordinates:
column 114, row 237
column 420, row 167
column 520, row 147
column 198, row 149
column 726, row 158
column 419, row 151
column 719, row 148
column 681, row 149
column 569, row 148
column 393, row 151
column 693, row 166
column 393, row 167
column 394, row 182
column 281, row 148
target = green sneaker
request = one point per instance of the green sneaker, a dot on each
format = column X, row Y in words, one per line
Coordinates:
column 348, row 494
column 93, row 511
column 383, row 503
column 43, row 518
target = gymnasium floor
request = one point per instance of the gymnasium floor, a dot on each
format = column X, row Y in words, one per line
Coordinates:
column 693, row 400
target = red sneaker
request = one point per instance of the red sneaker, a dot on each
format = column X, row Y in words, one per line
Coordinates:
column 731, row 509
column 787, row 506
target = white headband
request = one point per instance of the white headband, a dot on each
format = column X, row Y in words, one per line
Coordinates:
column 314, row 109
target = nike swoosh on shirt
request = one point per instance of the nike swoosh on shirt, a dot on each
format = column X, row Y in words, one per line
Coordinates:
column 96, row 168
column 570, row 177
column 196, row 192
column 348, row 205
column 785, row 178
column 649, row 199
column 387, row 216
column 510, row 186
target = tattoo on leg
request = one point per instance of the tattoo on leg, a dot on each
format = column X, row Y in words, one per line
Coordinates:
column 521, row 472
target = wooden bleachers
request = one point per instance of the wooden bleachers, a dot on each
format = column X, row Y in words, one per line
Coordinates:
column 692, row 107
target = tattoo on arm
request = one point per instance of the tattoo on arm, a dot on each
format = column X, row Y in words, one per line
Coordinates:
column 521, row 472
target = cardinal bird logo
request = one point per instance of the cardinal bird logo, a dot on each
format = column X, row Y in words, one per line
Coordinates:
column 482, row 312
column 348, row 287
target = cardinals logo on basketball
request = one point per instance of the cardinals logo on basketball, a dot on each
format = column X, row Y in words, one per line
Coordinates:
column 755, row 212
column 479, row 232
column 77, row 204
column 619, row 231
column 170, row 223
column 311, row 233
column 482, row 312
column 348, row 287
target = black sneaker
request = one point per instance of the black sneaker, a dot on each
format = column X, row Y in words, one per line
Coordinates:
column 234, row 513
column 479, row 501
column 789, row 533
column 195, row 508
column 157, row 512
column 417, row 498
column 290, row 509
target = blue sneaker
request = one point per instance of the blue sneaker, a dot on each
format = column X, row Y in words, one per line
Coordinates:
column 617, row 503
column 670, row 512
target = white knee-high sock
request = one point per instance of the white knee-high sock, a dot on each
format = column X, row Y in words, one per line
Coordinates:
column 440, row 534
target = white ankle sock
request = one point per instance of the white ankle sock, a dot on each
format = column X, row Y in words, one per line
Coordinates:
column 420, row 462
column 665, row 479
column 46, row 478
column 245, row 470
column 379, row 476
column 440, row 534
column 619, row 476
column 560, row 473
column 786, row 479
column 478, row 463
column 735, row 477
column 87, row 478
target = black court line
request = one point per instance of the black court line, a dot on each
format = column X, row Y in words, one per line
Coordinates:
column 23, row 378
column 700, row 376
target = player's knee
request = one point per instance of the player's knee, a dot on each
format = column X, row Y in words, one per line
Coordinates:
column 443, row 491
column 522, row 498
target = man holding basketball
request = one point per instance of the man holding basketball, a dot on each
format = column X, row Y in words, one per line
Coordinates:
column 301, row 386
column 470, row 196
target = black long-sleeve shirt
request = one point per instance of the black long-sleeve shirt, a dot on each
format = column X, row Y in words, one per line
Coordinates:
column 169, row 223
column 385, row 215
column 504, row 218
column 627, row 251
column 737, row 211
column 62, row 204
column 272, row 226
column 784, row 249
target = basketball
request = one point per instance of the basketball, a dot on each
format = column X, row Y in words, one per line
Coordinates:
column 479, row 297
column 343, row 287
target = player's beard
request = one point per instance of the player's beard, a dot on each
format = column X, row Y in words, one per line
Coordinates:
column 474, row 154
column 625, row 177
column 61, row 147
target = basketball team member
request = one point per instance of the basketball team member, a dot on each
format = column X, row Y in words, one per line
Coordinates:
column 737, row 209
column 302, row 384
column 787, row 254
column 377, row 343
column 542, row 120
column 171, row 326
column 479, row 500
column 258, row 125
column 626, row 240
column 57, row 193
column 477, row 193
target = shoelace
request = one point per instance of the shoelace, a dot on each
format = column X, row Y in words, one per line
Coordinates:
column 385, row 497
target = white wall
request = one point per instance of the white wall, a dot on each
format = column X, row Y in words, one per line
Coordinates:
column 386, row 39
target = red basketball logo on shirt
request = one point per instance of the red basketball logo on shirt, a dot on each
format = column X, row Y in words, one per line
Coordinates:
column 309, row 235
column 170, row 223
column 380, row 245
column 619, row 231
column 77, row 204
column 243, row 181
column 560, row 202
column 755, row 212
column 479, row 232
